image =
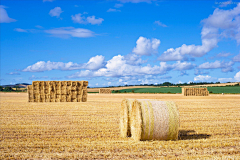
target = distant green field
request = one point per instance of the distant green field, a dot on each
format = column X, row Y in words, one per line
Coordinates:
column 153, row 90
column 233, row 89
column 217, row 90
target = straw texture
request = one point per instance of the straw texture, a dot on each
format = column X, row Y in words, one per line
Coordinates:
column 105, row 91
column 126, row 108
column 57, row 91
column 154, row 120
column 195, row 92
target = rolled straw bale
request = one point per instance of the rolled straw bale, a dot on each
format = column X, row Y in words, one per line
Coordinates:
column 154, row 120
column 126, row 108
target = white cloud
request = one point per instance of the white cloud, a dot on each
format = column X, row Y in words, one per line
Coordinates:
column 55, row 12
column 237, row 58
column 182, row 66
column 160, row 24
column 78, row 18
column 4, row 16
column 66, row 32
column 134, row 59
column 237, row 76
column 93, row 20
column 94, row 63
column 20, row 30
column 113, row 10
column 135, row 1
column 146, row 46
column 118, row 5
column 224, row 4
column 118, row 66
column 202, row 78
column 225, row 21
column 225, row 66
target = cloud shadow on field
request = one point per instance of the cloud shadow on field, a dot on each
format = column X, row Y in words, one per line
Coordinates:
column 190, row 134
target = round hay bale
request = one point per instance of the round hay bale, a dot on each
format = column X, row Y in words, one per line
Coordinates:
column 126, row 108
column 154, row 120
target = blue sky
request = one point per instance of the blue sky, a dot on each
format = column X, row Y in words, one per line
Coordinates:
column 118, row 42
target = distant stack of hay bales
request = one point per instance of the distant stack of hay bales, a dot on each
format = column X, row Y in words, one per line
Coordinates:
column 58, row 91
column 149, row 120
column 105, row 91
column 195, row 92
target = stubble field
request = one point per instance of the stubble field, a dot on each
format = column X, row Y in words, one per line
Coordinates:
column 209, row 129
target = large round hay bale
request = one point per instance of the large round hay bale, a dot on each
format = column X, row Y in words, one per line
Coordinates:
column 154, row 120
column 126, row 108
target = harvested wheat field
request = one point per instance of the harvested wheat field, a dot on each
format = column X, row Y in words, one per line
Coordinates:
column 209, row 129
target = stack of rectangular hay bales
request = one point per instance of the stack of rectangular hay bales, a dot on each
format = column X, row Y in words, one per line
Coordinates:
column 105, row 91
column 58, row 91
column 195, row 92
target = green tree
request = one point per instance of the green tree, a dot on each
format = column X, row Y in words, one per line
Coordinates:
column 17, row 87
column 1, row 88
column 8, row 89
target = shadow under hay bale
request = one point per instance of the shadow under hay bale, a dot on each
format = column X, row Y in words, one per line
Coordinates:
column 188, row 134
column 154, row 120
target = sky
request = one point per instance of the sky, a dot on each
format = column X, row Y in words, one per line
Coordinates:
column 120, row 42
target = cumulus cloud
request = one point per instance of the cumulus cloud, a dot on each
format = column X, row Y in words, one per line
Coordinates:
column 135, row 1
column 4, row 16
column 94, row 63
column 146, row 46
column 78, row 18
column 237, row 58
column 237, row 76
column 55, row 12
column 66, row 32
column 134, row 59
column 222, row 23
column 203, row 78
column 235, row 79
column 113, row 10
column 93, row 20
column 119, row 66
column 225, row 66
column 160, row 24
